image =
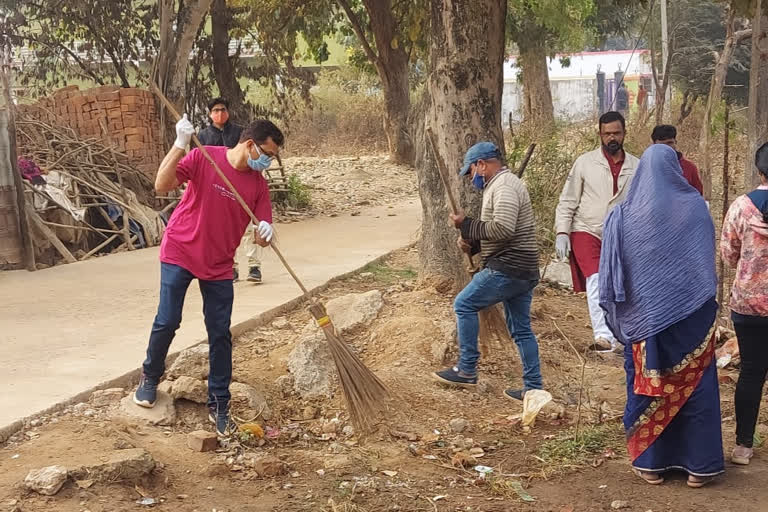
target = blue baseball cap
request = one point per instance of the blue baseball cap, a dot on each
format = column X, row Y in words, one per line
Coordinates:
column 480, row 151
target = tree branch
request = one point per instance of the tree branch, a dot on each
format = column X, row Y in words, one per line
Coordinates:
column 742, row 35
column 359, row 31
column 72, row 54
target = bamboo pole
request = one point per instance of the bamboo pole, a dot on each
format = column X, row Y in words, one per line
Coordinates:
column 100, row 246
column 726, row 155
column 50, row 235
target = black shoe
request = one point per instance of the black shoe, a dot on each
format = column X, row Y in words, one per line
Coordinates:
column 146, row 394
column 515, row 394
column 254, row 275
column 451, row 377
column 235, row 275
column 225, row 427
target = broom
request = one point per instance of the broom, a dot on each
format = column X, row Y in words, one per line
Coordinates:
column 493, row 326
column 364, row 394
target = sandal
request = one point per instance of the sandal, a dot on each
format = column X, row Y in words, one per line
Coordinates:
column 650, row 478
column 696, row 482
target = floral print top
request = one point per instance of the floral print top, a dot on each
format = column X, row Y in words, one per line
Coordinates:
column 744, row 245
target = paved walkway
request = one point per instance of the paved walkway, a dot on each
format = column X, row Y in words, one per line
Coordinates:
column 71, row 327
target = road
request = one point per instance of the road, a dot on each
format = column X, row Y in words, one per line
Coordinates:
column 71, row 327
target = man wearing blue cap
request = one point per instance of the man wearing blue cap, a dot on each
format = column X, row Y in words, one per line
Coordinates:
column 505, row 237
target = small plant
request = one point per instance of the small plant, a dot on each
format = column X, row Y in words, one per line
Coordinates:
column 297, row 197
column 569, row 450
column 384, row 273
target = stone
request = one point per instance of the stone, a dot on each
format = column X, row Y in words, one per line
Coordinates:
column 248, row 402
column 458, row 425
column 166, row 386
column 47, row 481
column 202, row 441
column 192, row 362
column 618, row 505
column 122, row 465
column 337, row 462
column 106, row 397
column 269, row 466
column 311, row 365
column 284, row 385
column 191, row 389
column 349, row 312
column 438, row 351
column 163, row 413
column 281, row 323
column 558, row 272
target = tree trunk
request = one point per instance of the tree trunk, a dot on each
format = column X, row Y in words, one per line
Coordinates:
column 176, row 45
column 391, row 61
column 538, row 109
column 758, row 93
column 223, row 64
column 463, row 107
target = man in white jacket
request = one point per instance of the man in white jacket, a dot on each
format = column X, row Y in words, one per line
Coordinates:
column 598, row 181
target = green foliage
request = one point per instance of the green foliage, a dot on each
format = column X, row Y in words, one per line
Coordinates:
column 385, row 274
column 297, row 197
column 561, row 25
column 572, row 450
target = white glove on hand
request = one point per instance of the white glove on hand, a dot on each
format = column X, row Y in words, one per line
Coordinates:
column 184, row 132
column 265, row 231
column 563, row 246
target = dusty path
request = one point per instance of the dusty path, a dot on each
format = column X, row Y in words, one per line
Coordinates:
column 73, row 326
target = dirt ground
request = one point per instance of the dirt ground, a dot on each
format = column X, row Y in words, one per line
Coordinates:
column 414, row 461
column 345, row 185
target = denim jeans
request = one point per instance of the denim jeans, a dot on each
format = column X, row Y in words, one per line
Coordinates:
column 489, row 287
column 217, row 309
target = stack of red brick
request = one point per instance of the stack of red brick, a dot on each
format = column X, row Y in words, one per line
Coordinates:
column 126, row 118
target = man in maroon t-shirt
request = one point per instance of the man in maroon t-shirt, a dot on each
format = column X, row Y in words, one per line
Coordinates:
column 667, row 134
column 200, row 243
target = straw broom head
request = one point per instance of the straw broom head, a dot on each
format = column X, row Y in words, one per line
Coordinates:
column 365, row 395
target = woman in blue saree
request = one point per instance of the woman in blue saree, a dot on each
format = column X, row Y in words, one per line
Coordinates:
column 658, row 287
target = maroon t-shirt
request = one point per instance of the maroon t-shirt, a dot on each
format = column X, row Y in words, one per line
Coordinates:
column 208, row 224
column 615, row 169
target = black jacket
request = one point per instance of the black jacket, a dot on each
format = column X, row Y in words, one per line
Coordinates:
column 212, row 136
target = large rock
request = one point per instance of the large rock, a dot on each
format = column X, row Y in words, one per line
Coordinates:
column 191, row 389
column 558, row 272
column 48, row 480
column 311, row 365
column 163, row 413
column 122, row 465
column 192, row 362
column 354, row 310
column 247, row 402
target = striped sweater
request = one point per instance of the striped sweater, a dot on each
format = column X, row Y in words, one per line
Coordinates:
column 506, row 229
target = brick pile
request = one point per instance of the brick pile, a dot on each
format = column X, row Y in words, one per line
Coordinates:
column 126, row 117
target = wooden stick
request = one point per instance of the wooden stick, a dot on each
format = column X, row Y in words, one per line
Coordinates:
column 47, row 233
column 79, row 228
column 526, row 159
column 99, row 247
column 108, row 219
column 726, row 156
column 443, row 171
column 168, row 105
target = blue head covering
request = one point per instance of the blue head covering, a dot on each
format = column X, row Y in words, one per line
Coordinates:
column 657, row 264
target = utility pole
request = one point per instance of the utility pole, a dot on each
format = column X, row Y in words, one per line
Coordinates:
column 664, row 48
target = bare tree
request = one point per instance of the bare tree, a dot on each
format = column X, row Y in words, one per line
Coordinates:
column 758, row 92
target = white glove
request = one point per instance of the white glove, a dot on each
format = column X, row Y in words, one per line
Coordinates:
column 265, row 231
column 184, row 132
column 562, row 246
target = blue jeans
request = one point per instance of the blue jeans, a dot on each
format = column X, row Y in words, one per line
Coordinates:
column 217, row 308
column 489, row 287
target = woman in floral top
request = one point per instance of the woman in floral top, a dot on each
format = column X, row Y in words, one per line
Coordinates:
column 744, row 245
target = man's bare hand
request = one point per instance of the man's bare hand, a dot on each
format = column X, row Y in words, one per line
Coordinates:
column 458, row 218
column 259, row 241
column 464, row 245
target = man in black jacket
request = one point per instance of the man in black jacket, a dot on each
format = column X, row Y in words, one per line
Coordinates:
column 221, row 132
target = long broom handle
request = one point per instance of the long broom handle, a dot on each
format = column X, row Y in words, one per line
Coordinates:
column 443, row 171
column 229, row 184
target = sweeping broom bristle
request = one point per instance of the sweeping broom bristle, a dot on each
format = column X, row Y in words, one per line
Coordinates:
column 365, row 395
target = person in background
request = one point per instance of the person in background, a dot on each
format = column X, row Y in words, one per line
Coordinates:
column 223, row 132
column 200, row 243
column 744, row 245
column 658, row 289
column 505, row 236
column 598, row 181
column 667, row 134
column 622, row 100
column 642, row 102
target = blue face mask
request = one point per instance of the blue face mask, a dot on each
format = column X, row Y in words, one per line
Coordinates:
column 478, row 182
column 261, row 163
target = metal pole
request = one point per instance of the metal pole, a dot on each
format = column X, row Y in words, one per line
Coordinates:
column 664, row 47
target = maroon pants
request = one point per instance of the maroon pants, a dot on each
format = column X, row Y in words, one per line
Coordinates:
column 585, row 258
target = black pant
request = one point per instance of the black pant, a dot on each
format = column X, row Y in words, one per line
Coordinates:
column 752, row 333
